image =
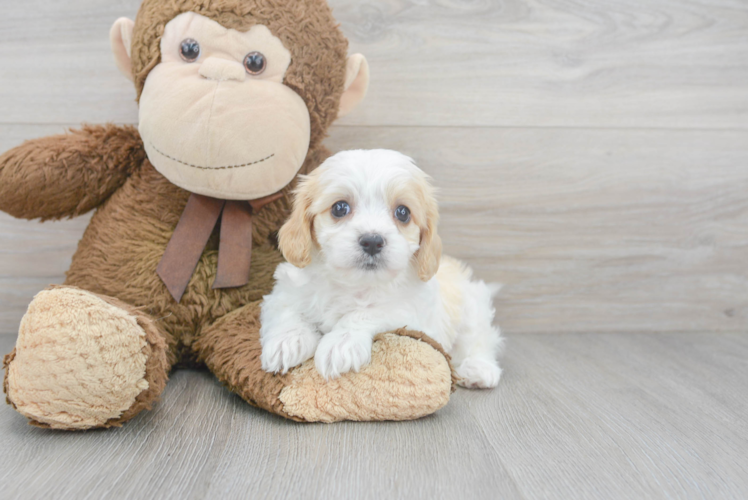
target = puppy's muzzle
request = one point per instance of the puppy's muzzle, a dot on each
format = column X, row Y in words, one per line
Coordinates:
column 371, row 243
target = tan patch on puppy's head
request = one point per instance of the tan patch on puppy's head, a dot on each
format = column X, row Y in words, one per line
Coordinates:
column 311, row 209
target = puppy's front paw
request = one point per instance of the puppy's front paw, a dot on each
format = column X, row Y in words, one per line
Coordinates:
column 341, row 352
column 283, row 350
column 478, row 373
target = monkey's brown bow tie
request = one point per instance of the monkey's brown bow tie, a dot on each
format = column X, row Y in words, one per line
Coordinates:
column 192, row 233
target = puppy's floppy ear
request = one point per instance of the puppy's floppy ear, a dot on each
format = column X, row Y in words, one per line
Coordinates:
column 295, row 237
column 429, row 254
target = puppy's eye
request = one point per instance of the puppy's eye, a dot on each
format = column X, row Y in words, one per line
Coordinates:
column 402, row 213
column 340, row 209
column 189, row 49
column 255, row 63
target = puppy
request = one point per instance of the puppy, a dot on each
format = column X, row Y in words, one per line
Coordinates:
column 364, row 258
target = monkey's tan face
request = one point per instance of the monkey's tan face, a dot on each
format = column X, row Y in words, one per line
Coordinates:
column 215, row 116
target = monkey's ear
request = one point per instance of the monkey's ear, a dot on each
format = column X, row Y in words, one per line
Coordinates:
column 120, row 36
column 356, row 83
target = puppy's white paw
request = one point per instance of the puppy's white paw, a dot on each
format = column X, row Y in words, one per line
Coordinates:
column 341, row 352
column 479, row 373
column 283, row 350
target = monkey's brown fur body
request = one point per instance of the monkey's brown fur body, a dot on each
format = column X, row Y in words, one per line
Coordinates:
column 137, row 209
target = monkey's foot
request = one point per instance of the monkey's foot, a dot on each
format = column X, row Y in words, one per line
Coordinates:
column 409, row 377
column 83, row 360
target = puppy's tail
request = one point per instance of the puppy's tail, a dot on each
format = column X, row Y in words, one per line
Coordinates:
column 494, row 289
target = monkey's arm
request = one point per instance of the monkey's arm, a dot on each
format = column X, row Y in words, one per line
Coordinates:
column 69, row 174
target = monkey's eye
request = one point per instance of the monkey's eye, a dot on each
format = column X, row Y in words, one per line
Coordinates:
column 255, row 63
column 402, row 213
column 189, row 50
column 340, row 209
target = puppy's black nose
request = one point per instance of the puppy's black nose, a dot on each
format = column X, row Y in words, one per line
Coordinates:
column 371, row 243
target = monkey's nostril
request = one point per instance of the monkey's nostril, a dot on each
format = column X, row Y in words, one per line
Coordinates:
column 215, row 68
column 371, row 243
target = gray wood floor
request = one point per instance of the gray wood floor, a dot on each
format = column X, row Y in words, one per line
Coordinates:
column 578, row 416
column 591, row 156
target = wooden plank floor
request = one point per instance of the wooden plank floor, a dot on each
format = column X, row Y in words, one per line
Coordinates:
column 591, row 156
column 583, row 416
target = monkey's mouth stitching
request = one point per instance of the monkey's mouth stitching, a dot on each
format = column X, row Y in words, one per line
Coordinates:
column 210, row 168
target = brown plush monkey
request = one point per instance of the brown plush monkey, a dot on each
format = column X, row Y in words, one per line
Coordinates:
column 235, row 98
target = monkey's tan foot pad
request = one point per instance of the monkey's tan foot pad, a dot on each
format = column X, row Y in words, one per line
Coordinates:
column 79, row 361
column 409, row 377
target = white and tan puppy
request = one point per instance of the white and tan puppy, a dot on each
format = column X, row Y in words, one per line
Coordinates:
column 364, row 257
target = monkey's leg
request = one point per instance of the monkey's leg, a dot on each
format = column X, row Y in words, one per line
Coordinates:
column 84, row 360
column 409, row 375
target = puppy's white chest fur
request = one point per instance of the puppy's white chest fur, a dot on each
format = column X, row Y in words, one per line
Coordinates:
column 324, row 301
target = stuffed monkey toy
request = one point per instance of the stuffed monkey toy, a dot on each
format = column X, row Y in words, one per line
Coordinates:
column 235, row 97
